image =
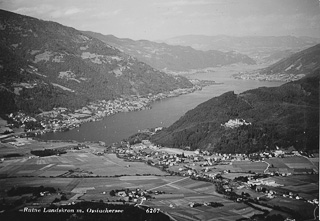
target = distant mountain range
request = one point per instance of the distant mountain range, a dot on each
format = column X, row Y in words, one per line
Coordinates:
column 172, row 58
column 254, row 120
column 261, row 48
column 44, row 65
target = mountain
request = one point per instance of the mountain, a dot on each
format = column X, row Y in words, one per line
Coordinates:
column 67, row 67
column 259, row 48
column 301, row 63
column 290, row 68
column 172, row 58
column 254, row 120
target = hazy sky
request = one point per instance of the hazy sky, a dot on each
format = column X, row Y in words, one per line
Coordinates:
column 161, row 19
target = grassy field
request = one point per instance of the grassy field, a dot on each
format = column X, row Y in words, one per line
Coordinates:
column 28, row 144
column 301, row 207
column 181, row 211
column 291, row 163
column 247, row 166
column 234, row 175
column 52, row 166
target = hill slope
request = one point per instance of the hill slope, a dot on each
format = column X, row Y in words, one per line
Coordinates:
column 293, row 67
column 173, row 58
column 301, row 63
column 67, row 67
column 284, row 116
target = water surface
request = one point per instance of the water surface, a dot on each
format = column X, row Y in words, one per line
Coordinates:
column 163, row 113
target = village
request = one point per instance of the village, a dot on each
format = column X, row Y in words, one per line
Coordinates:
column 158, row 178
column 63, row 119
column 268, row 77
column 239, row 176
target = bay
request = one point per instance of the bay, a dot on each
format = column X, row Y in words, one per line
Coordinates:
column 163, row 113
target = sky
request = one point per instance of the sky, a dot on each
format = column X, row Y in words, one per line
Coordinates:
column 163, row 19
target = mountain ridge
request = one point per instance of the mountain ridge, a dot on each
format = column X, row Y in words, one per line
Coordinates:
column 77, row 68
column 172, row 58
column 260, row 48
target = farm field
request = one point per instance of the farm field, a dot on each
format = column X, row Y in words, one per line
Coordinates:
column 87, row 162
column 305, row 185
column 234, row 175
column 293, row 164
column 23, row 146
column 87, row 175
column 180, row 191
column 180, row 209
column 246, row 166
column 295, row 205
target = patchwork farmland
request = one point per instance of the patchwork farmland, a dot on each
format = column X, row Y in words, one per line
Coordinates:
column 89, row 175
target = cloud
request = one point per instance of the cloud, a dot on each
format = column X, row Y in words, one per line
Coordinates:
column 185, row 3
column 104, row 14
column 72, row 11
column 45, row 10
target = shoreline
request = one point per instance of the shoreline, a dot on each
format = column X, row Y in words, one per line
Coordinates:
column 62, row 119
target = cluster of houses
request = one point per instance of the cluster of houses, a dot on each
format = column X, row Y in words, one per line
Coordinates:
column 268, row 77
column 135, row 195
column 197, row 164
column 265, row 182
column 61, row 119
column 235, row 123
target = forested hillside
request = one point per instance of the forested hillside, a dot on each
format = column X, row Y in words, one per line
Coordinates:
column 44, row 65
column 254, row 120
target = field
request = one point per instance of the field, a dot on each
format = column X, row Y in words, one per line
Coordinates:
column 182, row 191
column 305, row 185
column 294, row 164
column 246, row 166
column 234, row 175
column 84, row 175
column 25, row 145
column 85, row 162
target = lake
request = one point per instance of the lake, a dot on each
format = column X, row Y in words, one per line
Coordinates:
column 163, row 113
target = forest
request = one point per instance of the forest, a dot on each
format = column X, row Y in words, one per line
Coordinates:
column 284, row 116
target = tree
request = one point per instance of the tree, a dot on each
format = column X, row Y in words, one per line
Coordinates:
column 112, row 193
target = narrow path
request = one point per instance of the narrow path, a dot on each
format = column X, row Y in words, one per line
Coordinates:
column 268, row 165
column 314, row 166
column 168, row 183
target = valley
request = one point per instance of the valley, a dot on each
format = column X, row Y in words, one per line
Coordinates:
column 179, row 183
column 197, row 127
